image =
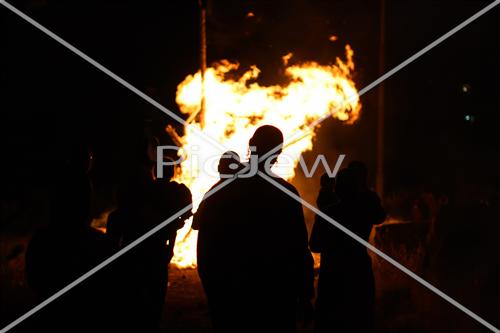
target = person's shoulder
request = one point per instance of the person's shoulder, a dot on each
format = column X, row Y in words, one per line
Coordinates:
column 179, row 187
column 278, row 187
column 368, row 195
column 286, row 185
column 372, row 195
column 222, row 191
column 183, row 189
column 222, row 187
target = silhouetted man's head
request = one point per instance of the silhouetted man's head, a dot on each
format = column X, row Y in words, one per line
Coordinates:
column 360, row 172
column 265, row 139
column 327, row 182
column 229, row 164
column 346, row 184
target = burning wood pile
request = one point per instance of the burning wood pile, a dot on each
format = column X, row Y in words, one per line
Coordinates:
column 229, row 107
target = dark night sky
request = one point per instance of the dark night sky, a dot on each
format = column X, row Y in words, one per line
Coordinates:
column 51, row 98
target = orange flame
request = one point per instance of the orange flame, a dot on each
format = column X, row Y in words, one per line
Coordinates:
column 234, row 108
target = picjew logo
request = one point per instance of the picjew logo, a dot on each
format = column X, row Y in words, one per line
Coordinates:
column 232, row 166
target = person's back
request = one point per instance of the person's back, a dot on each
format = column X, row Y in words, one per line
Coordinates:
column 260, row 222
column 371, row 209
column 169, row 198
column 57, row 257
column 326, row 200
column 326, row 196
column 251, row 245
column 253, row 256
column 346, row 285
column 357, row 208
column 155, row 253
column 65, row 250
column 147, row 202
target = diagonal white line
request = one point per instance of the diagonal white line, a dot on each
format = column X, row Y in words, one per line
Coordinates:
column 110, row 74
column 399, row 67
column 381, row 254
column 429, row 47
column 162, row 108
column 113, row 258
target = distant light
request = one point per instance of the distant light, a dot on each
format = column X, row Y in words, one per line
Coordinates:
column 469, row 118
column 250, row 14
column 333, row 38
column 466, row 88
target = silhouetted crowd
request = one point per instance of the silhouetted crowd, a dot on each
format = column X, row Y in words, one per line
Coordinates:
column 254, row 254
column 346, row 287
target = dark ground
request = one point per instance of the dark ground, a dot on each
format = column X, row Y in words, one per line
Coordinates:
column 186, row 310
column 468, row 273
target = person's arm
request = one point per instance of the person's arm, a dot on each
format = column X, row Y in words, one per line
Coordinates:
column 305, row 263
column 314, row 240
column 188, row 200
column 304, row 259
column 183, row 200
column 197, row 217
column 307, row 288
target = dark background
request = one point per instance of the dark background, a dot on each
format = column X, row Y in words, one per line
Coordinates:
column 441, row 112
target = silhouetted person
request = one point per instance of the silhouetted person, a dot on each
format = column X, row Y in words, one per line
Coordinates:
column 326, row 194
column 67, row 249
column 253, row 257
column 132, row 218
column 346, row 288
column 229, row 165
column 326, row 198
column 143, row 204
column 369, row 198
column 169, row 197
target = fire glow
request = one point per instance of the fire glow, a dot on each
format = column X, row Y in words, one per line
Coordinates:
column 235, row 107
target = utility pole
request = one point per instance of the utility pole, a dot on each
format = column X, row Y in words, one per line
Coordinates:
column 379, row 185
column 200, row 114
column 203, row 56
